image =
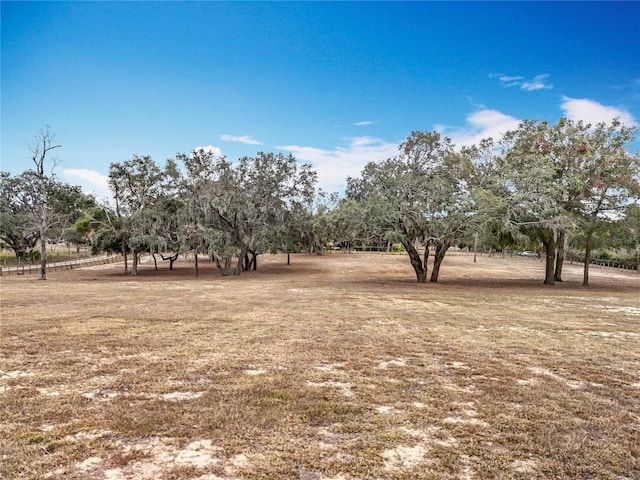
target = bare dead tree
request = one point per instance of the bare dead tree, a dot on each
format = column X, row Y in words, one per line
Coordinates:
column 42, row 144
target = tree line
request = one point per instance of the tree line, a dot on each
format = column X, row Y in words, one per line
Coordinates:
column 560, row 186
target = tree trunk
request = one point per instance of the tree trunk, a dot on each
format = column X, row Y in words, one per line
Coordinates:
column 587, row 260
column 425, row 262
column 441, row 250
column 550, row 249
column 475, row 247
column 416, row 262
column 240, row 264
column 43, row 227
column 195, row 262
column 562, row 245
column 134, row 266
column 43, row 255
column 126, row 260
column 251, row 261
column 43, row 230
column 288, row 258
column 226, row 270
column 155, row 261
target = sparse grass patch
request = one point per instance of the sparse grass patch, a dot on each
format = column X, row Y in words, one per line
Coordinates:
column 333, row 368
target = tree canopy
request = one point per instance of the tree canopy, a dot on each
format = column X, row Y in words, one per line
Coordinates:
column 548, row 187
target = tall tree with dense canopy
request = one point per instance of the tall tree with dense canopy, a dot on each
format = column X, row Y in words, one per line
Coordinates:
column 244, row 209
column 139, row 188
column 420, row 197
column 610, row 180
column 558, row 179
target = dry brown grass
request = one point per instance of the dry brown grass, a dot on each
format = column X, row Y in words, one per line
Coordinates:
column 337, row 367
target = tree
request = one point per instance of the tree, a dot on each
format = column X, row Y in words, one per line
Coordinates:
column 528, row 183
column 420, row 197
column 346, row 221
column 139, row 188
column 630, row 234
column 194, row 231
column 246, row 209
column 563, row 178
column 18, row 224
column 610, row 178
column 110, row 233
column 21, row 210
column 43, row 143
column 164, row 226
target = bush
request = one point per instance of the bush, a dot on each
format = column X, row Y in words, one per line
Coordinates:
column 32, row 256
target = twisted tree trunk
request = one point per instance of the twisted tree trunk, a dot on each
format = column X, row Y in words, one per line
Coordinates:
column 441, row 250
column 416, row 261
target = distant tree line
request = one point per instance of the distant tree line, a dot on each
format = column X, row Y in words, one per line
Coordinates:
column 547, row 187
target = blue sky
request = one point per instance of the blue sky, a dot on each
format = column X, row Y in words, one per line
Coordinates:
column 336, row 84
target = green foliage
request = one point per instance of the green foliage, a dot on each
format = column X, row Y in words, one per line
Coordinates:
column 32, row 256
column 423, row 194
column 539, row 185
column 261, row 204
column 568, row 180
column 20, row 210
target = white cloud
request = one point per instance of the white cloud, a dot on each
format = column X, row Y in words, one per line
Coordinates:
column 334, row 166
column 209, row 148
column 481, row 124
column 508, row 79
column 240, row 139
column 363, row 124
column 539, row 82
column 593, row 112
column 90, row 181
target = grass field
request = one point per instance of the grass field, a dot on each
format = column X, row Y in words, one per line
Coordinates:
column 337, row 367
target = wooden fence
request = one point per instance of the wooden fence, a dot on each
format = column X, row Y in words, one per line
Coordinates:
column 29, row 268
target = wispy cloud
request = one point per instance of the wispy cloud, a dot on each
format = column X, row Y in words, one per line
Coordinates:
column 363, row 124
column 481, row 124
column 590, row 111
column 334, row 166
column 240, row 139
column 90, row 181
column 210, row 148
column 539, row 82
